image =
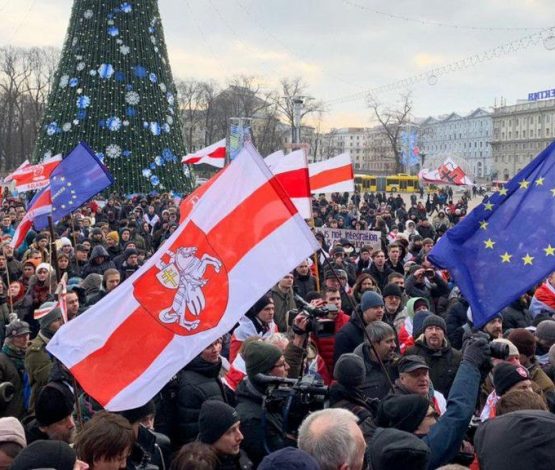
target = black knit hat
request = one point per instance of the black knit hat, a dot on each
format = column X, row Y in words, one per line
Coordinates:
column 259, row 305
column 45, row 454
column 505, row 375
column 349, row 370
column 434, row 320
column 392, row 289
column 260, row 357
column 404, row 412
column 392, row 449
column 215, row 418
column 54, row 403
column 137, row 414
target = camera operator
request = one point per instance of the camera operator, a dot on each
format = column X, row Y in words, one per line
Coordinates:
column 261, row 428
column 427, row 283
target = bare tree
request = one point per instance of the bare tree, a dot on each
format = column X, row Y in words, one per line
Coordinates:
column 392, row 121
column 296, row 87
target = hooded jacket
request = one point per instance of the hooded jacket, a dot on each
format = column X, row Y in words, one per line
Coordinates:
column 349, row 337
column 93, row 267
column 521, row 439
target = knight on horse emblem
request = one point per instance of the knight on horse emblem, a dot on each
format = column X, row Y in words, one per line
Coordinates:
column 184, row 273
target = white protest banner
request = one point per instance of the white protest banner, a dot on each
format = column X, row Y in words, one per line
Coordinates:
column 358, row 238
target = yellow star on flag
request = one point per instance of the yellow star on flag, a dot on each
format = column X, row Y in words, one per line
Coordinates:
column 528, row 259
column 484, row 224
column 539, row 182
column 503, row 191
column 549, row 251
column 489, row 243
column 506, row 257
column 553, row 192
column 523, row 184
column 488, row 206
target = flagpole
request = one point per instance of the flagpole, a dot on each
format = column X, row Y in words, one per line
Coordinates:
column 53, row 254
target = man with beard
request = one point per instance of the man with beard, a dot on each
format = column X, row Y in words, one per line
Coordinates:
column 442, row 359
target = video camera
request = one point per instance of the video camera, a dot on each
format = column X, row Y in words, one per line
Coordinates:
column 322, row 319
column 497, row 350
column 293, row 399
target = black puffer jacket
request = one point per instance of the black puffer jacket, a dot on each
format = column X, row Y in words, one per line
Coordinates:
column 197, row 382
column 443, row 363
column 304, row 284
column 348, row 337
column 515, row 316
column 256, row 435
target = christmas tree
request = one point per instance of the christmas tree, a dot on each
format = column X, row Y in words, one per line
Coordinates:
column 114, row 90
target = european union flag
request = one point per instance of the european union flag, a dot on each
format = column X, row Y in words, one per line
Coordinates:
column 78, row 178
column 507, row 243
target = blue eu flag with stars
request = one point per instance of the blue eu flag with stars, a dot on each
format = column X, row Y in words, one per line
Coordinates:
column 506, row 244
column 78, row 178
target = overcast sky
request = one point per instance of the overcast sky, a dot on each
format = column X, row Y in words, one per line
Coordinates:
column 339, row 47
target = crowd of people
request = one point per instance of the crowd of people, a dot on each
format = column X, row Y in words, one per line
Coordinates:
column 358, row 358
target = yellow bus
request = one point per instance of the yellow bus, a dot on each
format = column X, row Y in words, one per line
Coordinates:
column 400, row 183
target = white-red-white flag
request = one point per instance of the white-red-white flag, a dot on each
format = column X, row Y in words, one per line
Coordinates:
column 10, row 177
column 40, row 205
column 212, row 155
column 32, row 177
column 42, row 312
column 238, row 239
column 333, row 175
column 291, row 171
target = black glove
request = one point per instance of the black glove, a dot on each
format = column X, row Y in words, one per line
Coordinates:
column 477, row 352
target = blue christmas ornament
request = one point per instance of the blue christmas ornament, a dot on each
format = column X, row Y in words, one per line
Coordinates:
column 131, row 112
column 170, row 98
column 154, row 128
column 145, row 125
column 83, row 102
column 113, row 31
column 167, row 154
column 105, row 71
column 147, row 172
column 100, row 156
column 119, row 76
column 166, row 128
column 102, row 123
column 126, row 153
column 82, row 114
column 159, row 161
column 152, row 166
column 52, row 128
column 126, row 7
column 73, row 82
column 140, row 71
column 154, row 180
column 113, row 123
column 153, row 78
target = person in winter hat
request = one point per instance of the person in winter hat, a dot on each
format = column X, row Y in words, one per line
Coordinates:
column 12, row 440
column 393, row 449
column 38, row 361
column 219, row 426
column 508, row 377
column 289, row 459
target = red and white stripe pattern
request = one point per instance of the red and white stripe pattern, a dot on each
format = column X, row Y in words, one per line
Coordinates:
column 42, row 312
column 292, row 172
column 42, row 205
column 32, row 177
column 246, row 221
column 333, row 175
column 17, row 171
column 213, row 155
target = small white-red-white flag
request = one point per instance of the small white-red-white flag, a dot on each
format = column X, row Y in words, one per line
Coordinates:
column 239, row 237
column 333, row 175
column 20, row 168
column 42, row 312
column 40, row 205
column 212, row 155
column 32, row 177
column 291, row 171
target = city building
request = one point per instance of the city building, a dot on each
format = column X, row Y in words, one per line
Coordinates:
column 466, row 139
column 520, row 132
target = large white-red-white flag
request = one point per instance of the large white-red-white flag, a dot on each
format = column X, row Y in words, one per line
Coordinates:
column 32, row 177
column 239, row 237
column 213, row 155
column 333, row 175
column 291, row 171
column 41, row 205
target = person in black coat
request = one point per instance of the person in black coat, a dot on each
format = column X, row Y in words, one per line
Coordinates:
column 455, row 320
column 197, row 382
column 98, row 262
column 304, row 281
column 516, row 315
